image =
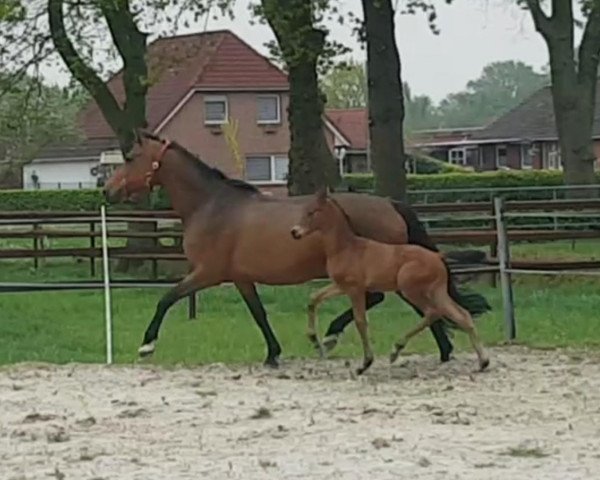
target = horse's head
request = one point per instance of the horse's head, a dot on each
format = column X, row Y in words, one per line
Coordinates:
column 314, row 215
column 140, row 172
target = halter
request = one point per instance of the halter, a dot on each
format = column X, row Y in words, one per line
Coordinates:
column 156, row 163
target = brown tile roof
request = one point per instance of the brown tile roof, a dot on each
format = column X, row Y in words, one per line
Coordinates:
column 532, row 119
column 218, row 61
column 353, row 123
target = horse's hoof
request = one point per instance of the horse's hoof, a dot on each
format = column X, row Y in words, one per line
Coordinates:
column 396, row 353
column 147, row 349
column 317, row 344
column 272, row 362
column 366, row 364
column 329, row 342
column 483, row 364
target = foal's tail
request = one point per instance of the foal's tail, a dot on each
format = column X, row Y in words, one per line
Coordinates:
column 475, row 303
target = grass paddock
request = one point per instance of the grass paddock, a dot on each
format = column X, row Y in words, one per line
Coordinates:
column 69, row 326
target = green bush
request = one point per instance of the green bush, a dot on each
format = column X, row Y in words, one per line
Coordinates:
column 424, row 164
column 467, row 181
column 436, row 184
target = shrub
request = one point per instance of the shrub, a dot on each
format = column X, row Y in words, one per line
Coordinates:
column 436, row 184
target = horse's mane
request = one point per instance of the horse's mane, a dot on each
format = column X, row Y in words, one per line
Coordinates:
column 203, row 168
column 339, row 207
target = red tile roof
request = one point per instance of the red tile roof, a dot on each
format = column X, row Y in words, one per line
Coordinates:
column 218, row 61
column 352, row 123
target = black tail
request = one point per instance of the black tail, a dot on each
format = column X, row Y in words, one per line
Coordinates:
column 474, row 303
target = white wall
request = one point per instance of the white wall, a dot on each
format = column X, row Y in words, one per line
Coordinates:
column 64, row 175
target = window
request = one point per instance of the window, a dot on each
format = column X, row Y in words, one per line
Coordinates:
column 268, row 109
column 527, row 154
column 501, row 156
column 267, row 169
column 553, row 158
column 457, row 156
column 215, row 110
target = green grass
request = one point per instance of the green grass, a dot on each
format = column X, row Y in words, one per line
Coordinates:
column 69, row 326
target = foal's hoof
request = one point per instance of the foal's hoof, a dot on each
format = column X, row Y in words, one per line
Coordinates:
column 317, row 344
column 329, row 342
column 147, row 349
column 396, row 353
column 366, row 364
column 272, row 362
column 483, row 364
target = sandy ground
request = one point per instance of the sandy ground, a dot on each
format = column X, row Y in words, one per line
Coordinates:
column 533, row 415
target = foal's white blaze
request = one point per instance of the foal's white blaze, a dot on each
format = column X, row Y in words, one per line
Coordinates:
column 147, row 348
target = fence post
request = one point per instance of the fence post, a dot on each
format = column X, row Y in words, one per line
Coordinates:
column 493, row 247
column 504, row 265
column 93, row 247
column 192, row 306
column 107, row 302
column 36, row 244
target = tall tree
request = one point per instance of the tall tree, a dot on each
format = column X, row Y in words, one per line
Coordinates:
column 420, row 110
column 574, row 79
column 33, row 115
column 500, row 87
column 302, row 45
column 386, row 102
column 345, row 86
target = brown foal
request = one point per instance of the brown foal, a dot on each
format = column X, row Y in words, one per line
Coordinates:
column 358, row 265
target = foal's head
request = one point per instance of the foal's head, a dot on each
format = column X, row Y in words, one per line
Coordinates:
column 317, row 215
column 140, row 171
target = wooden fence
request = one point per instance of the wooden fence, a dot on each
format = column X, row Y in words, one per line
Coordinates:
column 36, row 226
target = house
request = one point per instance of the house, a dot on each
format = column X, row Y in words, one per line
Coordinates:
column 200, row 83
column 526, row 137
column 452, row 145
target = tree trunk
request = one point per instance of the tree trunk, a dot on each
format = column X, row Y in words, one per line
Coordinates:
column 312, row 164
column 386, row 102
column 574, row 82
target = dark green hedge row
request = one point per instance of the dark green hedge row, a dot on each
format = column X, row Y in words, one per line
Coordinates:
column 493, row 181
column 90, row 200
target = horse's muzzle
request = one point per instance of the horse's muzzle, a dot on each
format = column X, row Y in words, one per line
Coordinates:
column 296, row 233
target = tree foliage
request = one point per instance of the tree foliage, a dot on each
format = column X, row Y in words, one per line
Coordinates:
column 33, row 115
column 500, row 87
column 345, row 86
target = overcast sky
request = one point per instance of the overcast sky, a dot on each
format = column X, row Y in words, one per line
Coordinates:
column 473, row 33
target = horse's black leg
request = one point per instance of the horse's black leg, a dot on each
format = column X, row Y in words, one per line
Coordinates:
column 337, row 326
column 254, row 304
column 188, row 285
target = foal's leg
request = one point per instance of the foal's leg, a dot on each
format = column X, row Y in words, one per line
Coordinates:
column 437, row 330
column 194, row 281
column 337, row 326
column 360, row 318
column 254, row 304
column 463, row 319
column 316, row 299
column 428, row 319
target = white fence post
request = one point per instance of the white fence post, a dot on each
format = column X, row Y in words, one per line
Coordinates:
column 505, row 277
column 107, row 305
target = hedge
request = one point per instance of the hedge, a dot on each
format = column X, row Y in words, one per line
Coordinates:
column 90, row 200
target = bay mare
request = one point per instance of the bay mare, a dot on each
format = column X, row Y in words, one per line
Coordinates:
column 233, row 233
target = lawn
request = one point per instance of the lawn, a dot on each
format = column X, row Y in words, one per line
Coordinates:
column 69, row 326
